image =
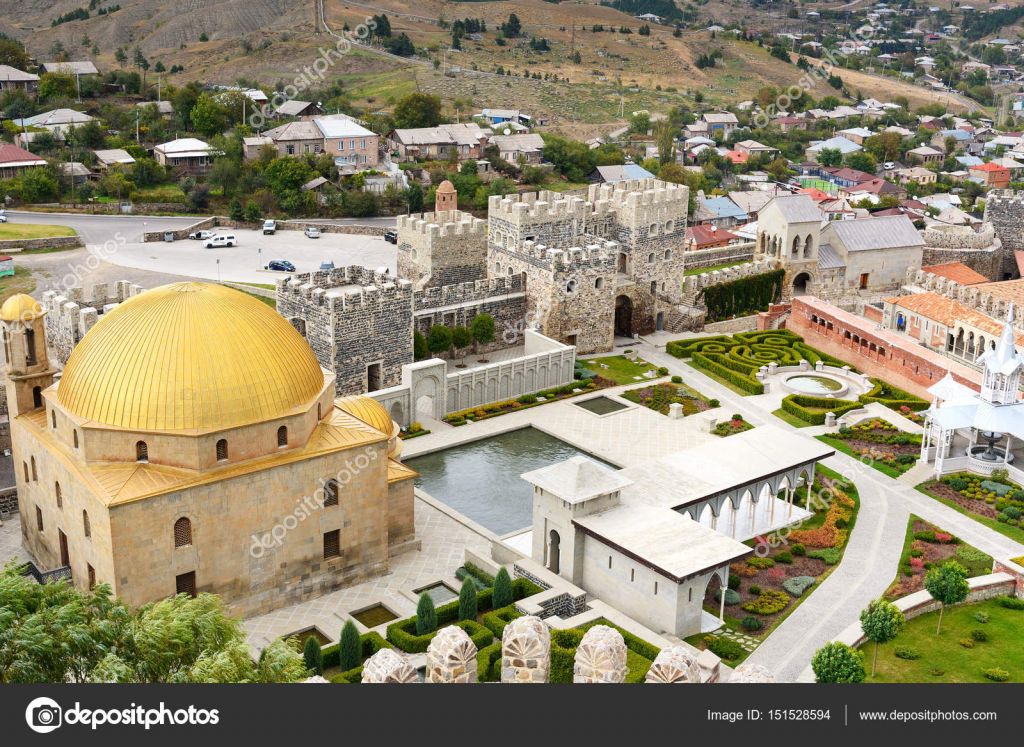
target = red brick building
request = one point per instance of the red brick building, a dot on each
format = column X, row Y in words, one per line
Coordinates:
column 876, row 352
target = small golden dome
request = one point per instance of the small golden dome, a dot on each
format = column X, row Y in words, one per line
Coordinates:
column 370, row 411
column 446, row 187
column 189, row 357
column 20, row 308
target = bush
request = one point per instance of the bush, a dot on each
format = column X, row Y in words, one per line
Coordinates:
column 1010, row 603
column 426, row 615
column 957, row 483
column 981, row 617
column 799, row 550
column 725, row 648
column 755, row 590
column 313, row 655
column 488, row 663
column 502, row 589
column 714, row 403
column 837, row 662
column 496, row 620
column 906, row 652
column 467, row 601
column 979, row 635
column 677, row 379
column 768, row 603
column 966, row 643
column 813, row 409
column 369, row 644
column 786, row 556
column 997, row 675
column 350, row 648
column 751, row 623
column 731, row 596
column 831, row 555
column 734, row 581
column 758, row 562
column 662, row 371
column 798, row 584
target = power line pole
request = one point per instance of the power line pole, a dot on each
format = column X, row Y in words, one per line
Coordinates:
column 572, row 44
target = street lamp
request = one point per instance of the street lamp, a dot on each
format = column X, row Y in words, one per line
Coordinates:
column 218, row 269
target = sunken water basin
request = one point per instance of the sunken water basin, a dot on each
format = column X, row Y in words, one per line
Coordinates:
column 815, row 384
column 481, row 479
column 601, row 405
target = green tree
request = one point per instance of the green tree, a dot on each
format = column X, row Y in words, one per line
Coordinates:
column 38, row 185
column 420, row 349
column 467, row 600
column 417, row 110
column 501, row 595
column 426, row 615
column 13, row 53
column 882, row 621
column 837, row 662
column 285, row 176
column 350, row 647
column 512, row 27
column 235, row 211
column 665, row 137
column 414, row 197
column 862, row 162
column 209, row 117
column 948, row 585
column 253, row 212
column 571, row 158
column 461, row 337
column 313, row 656
column 57, row 86
column 830, row 157
column 439, row 339
column 482, row 330
column 640, row 123
column 120, row 56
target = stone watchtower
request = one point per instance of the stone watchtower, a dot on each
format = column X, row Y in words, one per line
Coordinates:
column 446, row 198
column 27, row 363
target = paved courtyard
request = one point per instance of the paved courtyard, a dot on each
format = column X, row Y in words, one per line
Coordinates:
column 10, row 541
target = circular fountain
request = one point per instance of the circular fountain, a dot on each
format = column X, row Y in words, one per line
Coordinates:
column 989, row 452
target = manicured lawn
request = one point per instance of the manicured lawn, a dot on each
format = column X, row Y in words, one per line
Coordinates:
column 790, row 419
column 20, row 282
column 26, row 231
column 620, row 369
column 712, row 268
column 840, row 445
column 943, row 659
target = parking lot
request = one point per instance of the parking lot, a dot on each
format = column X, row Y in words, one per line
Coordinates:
column 245, row 261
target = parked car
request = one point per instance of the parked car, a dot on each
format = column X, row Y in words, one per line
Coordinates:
column 269, row 227
column 225, row 239
column 888, row 165
column 391, row 237
column 312, row 232
column 202, row 235
column 3, row 218
column 281, row 265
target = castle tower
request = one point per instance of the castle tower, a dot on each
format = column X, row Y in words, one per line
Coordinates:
column 446, row 198
column 1003, row 367
column 27, row 364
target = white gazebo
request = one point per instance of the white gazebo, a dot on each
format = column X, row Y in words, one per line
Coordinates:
column 978, row 431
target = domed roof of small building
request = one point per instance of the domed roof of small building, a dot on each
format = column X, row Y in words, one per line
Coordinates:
column 20, row 308
column 189, row 357
column 370, row 411
column 446, row 187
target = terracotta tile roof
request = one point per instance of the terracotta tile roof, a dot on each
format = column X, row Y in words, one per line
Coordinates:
column 957, row 272
column 949, row 312
column 12, row 154
column 1010, row 290
column 703, row 235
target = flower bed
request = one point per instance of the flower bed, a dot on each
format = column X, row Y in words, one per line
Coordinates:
column 926, row 546
column 735, row 424
column 525, row 402
column 659, row 397
column 995, row 501
column 881, row 442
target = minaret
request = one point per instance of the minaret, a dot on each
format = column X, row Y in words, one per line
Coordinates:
column 446, row 198
column 27, row 363
column 1000, row 384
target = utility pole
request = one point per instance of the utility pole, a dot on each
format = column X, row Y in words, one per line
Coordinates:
column 137, row 112
column 572, row 44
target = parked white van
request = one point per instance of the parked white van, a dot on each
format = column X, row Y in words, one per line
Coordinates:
column 224, row 239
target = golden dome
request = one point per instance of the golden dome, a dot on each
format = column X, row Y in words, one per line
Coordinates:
column 189, row 356
column 370, row 411
column 20, row 308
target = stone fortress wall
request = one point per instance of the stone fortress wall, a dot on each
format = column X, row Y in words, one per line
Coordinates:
column 445, row 248
column 70, row 314
column 972, row 296
column 980, row 250
column 1004, row 210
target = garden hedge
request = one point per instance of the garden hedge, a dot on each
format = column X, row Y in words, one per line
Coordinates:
column 402, row 633
column 799, row 406
column 488, row 663
column 497, row 620
column 371, row 642
column 893, row 397
column 742, row 296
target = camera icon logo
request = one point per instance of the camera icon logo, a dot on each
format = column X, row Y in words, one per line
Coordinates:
column 43, row 715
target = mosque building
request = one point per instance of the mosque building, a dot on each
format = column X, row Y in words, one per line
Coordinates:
column 194, row 443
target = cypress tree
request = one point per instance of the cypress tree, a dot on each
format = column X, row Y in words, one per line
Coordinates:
column 313, row 655
column 467, row 600
column 502, row 594
column 426, row 615
column 350, row 648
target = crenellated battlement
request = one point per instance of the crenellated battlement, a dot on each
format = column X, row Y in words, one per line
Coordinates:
column 694, row 284
column 543, row 206
column 972, row 296
column 600, row 254
column 424, row 228
column 476, row 291
column 70, row 314
column 316, row 287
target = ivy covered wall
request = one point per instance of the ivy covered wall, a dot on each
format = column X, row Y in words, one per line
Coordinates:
column 743, row 296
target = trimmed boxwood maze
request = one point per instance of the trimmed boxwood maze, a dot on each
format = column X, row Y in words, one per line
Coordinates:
column 738, row 358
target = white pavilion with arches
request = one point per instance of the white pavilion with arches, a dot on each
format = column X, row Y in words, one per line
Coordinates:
column 972, row 431
column 654, row 539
